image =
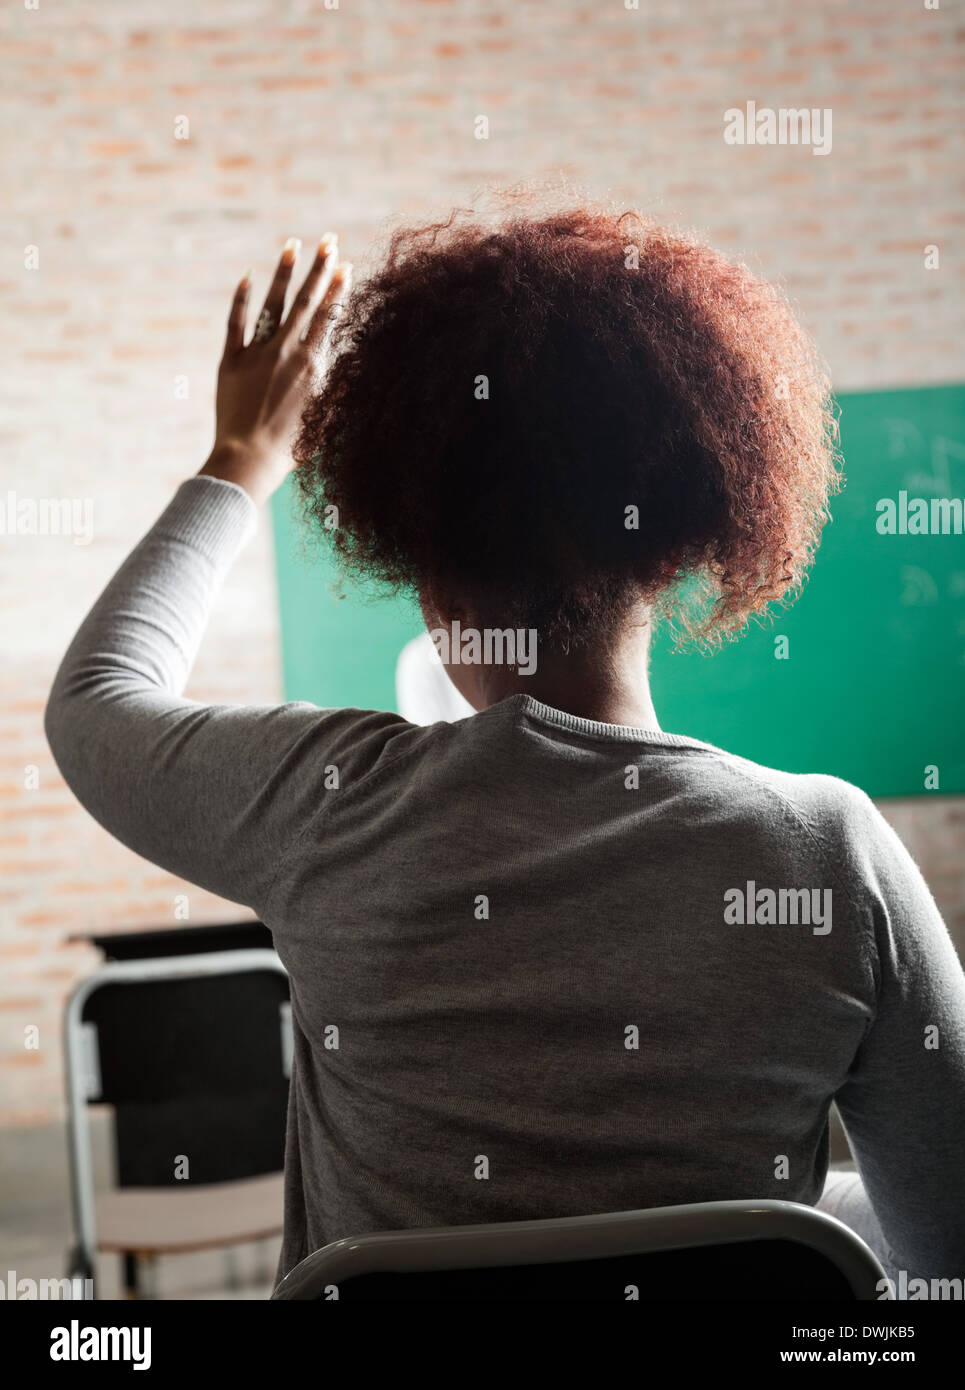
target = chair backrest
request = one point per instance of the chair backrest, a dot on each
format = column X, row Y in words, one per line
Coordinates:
column 711, row 1250
column 152, row 943
column 193, row 1054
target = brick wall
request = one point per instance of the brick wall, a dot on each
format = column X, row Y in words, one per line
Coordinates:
column 301, row 118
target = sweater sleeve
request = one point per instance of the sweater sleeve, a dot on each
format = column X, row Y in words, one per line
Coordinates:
column 903, row 1102
column 213, row 793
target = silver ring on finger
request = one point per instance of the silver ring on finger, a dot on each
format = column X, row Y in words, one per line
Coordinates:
column 264, row 328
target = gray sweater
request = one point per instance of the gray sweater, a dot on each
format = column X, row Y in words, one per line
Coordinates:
column 540, row 966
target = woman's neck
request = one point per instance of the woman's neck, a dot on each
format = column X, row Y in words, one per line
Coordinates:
column 605, row 681
column 608, row 698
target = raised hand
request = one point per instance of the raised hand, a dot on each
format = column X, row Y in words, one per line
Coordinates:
column 263, row 384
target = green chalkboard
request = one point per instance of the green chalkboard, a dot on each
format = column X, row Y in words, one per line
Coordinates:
column 872, row 687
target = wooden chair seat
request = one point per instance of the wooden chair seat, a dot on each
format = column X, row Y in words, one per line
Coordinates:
column 186, row 1217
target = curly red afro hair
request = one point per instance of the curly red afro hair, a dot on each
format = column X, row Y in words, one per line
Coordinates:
column 543, row 421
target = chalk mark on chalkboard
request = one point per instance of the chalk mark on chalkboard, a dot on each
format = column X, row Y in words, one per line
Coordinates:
column 904, row 438
column 919, row 587
column 907, row 442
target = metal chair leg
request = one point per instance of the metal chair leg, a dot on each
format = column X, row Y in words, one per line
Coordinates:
column 79, row 1267
column 140, row 1274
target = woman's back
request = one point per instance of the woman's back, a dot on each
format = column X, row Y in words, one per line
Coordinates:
column 548, row 967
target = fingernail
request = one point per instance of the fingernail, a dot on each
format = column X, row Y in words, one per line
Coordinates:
column 330, row 238
column 291, row 248
column 345, row 270
column 246, row 278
